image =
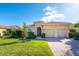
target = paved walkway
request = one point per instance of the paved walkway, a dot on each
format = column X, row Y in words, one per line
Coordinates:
column 64, row 47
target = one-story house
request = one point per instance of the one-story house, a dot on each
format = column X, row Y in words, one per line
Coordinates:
column 77, row 29
column 4, row 28
column 51, row 29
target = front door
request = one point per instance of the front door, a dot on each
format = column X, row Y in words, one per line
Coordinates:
column 38, row 31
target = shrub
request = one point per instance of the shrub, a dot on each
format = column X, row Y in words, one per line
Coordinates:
column 76, row 35
column 71, row 33
column 72, row 30
column 16, row 33
column 31, row 35
column 43, row 35
column 12, row 33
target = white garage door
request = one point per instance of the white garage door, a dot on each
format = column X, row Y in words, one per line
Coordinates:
column 62, row 33
column 56, row 33
column 50, row 33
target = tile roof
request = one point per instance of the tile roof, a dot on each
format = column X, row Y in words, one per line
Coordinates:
column 14, row 27
column 3, row 27
column 10, row 27
column 59, row 23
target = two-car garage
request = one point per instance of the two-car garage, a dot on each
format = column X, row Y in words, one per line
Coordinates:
column 56, row 33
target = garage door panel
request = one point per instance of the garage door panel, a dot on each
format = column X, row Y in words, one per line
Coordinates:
column 56, row 33
column 62, row 33
column 50, row 33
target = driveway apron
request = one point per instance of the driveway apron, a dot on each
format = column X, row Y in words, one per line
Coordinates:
column 63, row 46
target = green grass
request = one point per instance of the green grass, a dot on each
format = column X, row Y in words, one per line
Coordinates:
column 13, row 47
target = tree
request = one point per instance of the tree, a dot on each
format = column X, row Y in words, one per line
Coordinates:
column 16, row 33
column 12, row 33
column 71, row 33
column 24, row 33
column 76, row 24
column 7, row 33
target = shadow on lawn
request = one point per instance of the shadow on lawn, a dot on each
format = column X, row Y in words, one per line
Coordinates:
column 8, row 43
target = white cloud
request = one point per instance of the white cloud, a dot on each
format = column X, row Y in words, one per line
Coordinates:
column 52, row 14
column 48, row 8
column 53, row 17
column 68, row 9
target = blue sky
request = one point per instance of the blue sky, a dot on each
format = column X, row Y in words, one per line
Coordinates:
column 16, row 14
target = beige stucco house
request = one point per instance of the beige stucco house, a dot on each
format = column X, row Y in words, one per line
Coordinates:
column 51, row 29
column 4, row 28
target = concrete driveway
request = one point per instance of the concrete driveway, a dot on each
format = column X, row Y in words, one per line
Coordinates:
column 64, row 46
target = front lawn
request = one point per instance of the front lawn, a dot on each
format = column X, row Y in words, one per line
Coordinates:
column 13, row 47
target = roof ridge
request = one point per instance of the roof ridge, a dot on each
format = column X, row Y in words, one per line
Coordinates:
column 57, row 22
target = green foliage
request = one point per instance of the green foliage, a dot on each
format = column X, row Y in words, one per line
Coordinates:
column 31, row 35
column 6, row 32
column 76, row 25
column 12, row 33
column 12, row 47
column 72, row 30
column 24, row 32
column 43, row 35
column 16, row 33
column 71, row 33
column 76, row 35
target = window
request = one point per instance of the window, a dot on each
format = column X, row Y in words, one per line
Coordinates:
column 29, row 29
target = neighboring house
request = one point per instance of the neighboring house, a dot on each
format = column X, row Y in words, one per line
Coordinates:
column 51, row 29
column 4, row 28
column 77, row 29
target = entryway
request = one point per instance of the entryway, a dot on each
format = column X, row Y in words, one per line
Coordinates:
column 38, row 31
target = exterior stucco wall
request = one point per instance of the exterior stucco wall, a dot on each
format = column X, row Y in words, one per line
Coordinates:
column 36, row 25
column 35, row 28
column 1, row 31
column 52, row 30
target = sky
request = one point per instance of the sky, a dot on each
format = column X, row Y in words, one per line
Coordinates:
column 19, row 13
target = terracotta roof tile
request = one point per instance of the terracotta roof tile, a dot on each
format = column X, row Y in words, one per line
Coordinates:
column 10, row 27
column 59, row 23
column 3, row 27
column 14, row 27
